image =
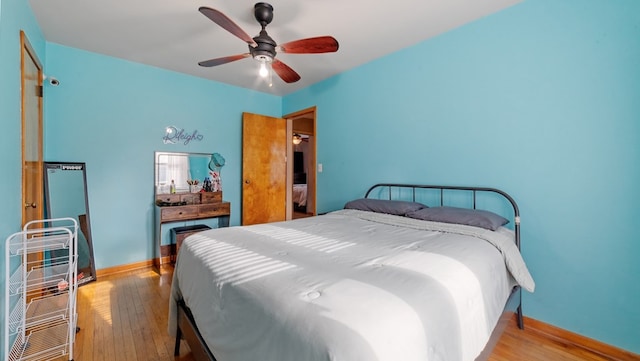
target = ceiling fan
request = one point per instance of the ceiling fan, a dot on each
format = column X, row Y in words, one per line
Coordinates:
column 263, row 47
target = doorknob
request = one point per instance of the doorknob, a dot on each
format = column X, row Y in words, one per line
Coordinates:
column 32, row 205
column 247, row 181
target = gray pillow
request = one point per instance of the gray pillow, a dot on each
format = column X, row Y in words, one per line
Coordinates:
column 469, row 217
column 398, row 208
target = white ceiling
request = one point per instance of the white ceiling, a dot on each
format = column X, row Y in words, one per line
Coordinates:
column 174, row 35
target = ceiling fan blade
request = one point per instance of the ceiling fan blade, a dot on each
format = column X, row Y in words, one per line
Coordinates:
column 227, row 24
column 223, row 60
column 284, row 71
column 320, row 44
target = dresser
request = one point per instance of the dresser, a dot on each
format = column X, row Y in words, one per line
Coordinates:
column 183, row 210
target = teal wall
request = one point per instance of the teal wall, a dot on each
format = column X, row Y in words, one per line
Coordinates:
column 540, row 100
column 15, row 15
column 111, row 114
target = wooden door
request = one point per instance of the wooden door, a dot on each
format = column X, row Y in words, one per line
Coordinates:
column 264, row 169
column 31, row 109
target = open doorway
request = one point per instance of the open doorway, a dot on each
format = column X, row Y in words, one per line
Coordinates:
column 302, row 168
column 301, row 164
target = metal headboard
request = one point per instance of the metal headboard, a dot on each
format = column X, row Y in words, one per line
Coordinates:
column 473, row 190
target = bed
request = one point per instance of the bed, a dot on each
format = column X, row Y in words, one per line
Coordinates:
column 390, row 277
column 299, row 194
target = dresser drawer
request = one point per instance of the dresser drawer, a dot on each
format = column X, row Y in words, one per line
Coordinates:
column 168, row 198
column 178, row 213
column 190, row 198
column 214, row 209
column 211, row 197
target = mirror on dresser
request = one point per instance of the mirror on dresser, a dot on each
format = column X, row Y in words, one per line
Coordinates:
column 185, row 201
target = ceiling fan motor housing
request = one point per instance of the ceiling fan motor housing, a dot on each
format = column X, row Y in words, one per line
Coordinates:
column 266, row 48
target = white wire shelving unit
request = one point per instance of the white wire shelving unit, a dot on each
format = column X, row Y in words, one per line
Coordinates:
column 41, row 290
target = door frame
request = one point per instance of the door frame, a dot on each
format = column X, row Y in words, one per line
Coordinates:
column 309, row 113
column 26, row 50
column 31, row 164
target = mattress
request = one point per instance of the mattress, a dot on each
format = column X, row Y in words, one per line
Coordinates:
column 348, row 285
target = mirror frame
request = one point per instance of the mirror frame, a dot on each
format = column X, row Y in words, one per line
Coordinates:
column 85, row 230
column 157, row 156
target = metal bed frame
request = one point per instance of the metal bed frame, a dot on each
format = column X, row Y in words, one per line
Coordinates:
column 188, row 330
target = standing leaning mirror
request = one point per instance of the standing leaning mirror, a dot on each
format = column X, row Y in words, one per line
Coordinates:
column 66, row 196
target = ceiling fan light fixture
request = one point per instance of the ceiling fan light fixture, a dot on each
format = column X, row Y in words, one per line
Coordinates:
column 297, row 139
column 264, row 72
column 263, row 58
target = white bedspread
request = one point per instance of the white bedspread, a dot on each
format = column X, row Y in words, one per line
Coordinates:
column 349, row 285
column 300, row 194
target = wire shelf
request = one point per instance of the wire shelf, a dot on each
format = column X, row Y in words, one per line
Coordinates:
column 39, row 311
column 38, row 242
column 39, row 278
column 42, row 344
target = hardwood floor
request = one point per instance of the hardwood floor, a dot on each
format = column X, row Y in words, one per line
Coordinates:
column 297, row 215
column 124, row 317
column 530, row 345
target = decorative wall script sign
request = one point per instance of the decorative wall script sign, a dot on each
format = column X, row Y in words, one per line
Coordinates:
column 174, row 135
